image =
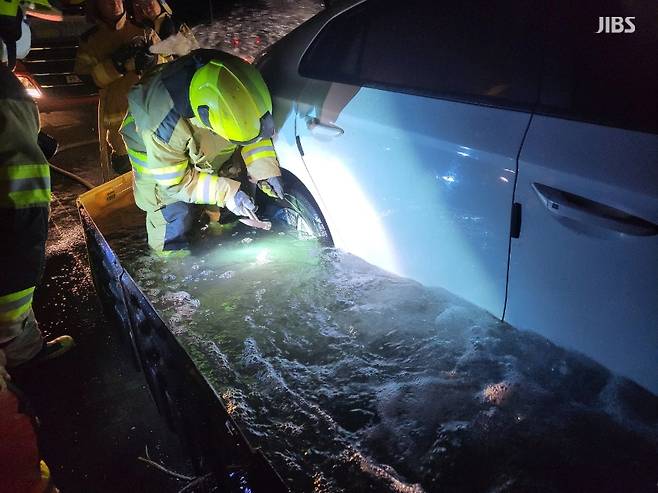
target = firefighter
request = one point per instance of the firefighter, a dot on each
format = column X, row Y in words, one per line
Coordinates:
column 24, row 208
column 114, row 52
column 152, row 14
column 186, row 120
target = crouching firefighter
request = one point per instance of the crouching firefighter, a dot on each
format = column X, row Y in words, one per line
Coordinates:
column 186, row 120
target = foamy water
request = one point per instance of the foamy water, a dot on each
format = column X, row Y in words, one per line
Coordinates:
column 352, row 379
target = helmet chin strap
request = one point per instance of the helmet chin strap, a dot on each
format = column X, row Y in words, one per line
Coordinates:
column 11, row 54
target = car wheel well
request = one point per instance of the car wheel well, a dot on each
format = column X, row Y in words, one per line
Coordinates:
column 299, row 209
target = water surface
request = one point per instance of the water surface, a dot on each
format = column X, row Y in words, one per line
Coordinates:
column 353, row 379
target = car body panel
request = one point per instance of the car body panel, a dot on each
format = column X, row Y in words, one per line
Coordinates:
column 587, row 289
column 581, row 285
column 418, row 186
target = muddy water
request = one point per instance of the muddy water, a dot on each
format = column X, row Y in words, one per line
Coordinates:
column 352, row 379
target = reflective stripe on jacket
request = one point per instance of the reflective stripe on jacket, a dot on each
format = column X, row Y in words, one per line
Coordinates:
column 24, row 171
column 24, row 198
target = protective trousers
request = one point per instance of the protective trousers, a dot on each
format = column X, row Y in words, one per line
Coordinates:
column 112, row 106
column 167, row 226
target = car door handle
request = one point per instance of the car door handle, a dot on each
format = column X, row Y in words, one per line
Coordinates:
column 567, row 205
column 316, row 127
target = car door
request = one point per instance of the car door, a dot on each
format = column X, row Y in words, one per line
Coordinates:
column 584, row 271
column 410, row 124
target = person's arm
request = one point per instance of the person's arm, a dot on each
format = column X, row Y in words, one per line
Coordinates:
column 260, row 159
column 169, row 166
column 263, row 167
column 24, row 171
column 90, row 61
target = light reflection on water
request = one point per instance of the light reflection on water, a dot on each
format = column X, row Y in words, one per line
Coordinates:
column 352, row 379
column 246, row 28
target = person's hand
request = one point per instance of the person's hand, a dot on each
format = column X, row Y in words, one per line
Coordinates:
column 240, row 204
column 123, row 58
column 144, row 60
column 134, row 56
column 272, row 186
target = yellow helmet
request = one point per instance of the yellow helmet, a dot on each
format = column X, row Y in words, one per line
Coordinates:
column 230, row 97
column 15, row 38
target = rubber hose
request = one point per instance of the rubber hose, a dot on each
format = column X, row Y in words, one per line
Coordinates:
column 68, row 147
column 73, row 176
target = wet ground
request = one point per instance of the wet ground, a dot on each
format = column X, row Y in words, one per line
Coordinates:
column 246, row 28
column 352, row 379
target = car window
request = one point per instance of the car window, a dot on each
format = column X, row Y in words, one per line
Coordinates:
column 479, row 51
column 608, row 77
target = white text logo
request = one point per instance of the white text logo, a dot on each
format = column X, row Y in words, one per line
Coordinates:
column 616, row 25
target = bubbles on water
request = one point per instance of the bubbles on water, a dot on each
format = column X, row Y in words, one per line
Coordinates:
column 350, row 378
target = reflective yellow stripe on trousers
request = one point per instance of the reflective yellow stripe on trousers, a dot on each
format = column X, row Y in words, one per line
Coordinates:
column 15, row 305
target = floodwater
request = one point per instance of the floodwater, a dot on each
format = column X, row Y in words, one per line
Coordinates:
column 353, row 379
column 245, row 28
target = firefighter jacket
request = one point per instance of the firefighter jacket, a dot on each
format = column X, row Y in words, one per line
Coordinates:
column 24, row 200
column 174, row 156
column 94, row 58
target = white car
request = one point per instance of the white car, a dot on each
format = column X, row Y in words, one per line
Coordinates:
column 504, row 151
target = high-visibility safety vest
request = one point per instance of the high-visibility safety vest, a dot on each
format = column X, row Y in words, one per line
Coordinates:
column 24, row 199
column 24, row 171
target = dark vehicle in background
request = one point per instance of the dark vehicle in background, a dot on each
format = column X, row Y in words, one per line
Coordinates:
column 47, row 72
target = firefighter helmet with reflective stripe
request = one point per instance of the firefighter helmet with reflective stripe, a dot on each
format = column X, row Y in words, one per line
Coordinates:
column 230, row 97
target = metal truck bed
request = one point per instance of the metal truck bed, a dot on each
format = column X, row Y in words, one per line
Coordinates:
column 184, row 398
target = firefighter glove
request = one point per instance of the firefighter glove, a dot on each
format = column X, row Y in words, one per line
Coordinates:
column 123, row 58
column 240, row 204
column 272, row 186
column 144, row 60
